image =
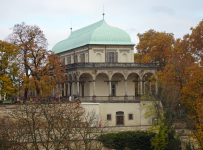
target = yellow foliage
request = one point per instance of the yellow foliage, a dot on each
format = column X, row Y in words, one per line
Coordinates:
column 8, row 68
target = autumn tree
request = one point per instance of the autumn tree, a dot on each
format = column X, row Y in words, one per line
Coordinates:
column 196, row 42
column 45, row 77
column 49, row 126
column 193, row 98
column 90, row 130
column 155, row 46
column 36, row 61
column 8, row 69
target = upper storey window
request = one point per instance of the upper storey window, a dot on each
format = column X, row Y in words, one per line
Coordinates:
column 111, row 57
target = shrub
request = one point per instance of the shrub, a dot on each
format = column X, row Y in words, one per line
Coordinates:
column 131, row 139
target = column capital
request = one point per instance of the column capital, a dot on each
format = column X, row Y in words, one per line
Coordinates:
column 125, row 80
column 93, row 80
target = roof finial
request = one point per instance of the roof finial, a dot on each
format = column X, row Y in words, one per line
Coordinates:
column 71, row 26
column 103, row 12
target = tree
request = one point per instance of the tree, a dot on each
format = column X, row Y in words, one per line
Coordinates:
column 35, row 59
column 196, row 42
column 193, row 98
column 8, row 69
column 155, row 46
column 90, row 130
column 45, row 77
column 164, row 107
column 49, row 126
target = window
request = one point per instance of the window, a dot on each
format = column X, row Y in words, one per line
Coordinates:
column 119, row 113
column 154, row 121
column 109, row 117
column 111, row 57
column 113, row 89
column 130, row 116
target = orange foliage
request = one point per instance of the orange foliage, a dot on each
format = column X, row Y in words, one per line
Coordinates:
column 36, row 62
column 180, row 68
column 193, row 97
column 155, row 46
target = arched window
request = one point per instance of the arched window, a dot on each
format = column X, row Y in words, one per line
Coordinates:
column 124, row 58
column 98, row 57
column 79, row 58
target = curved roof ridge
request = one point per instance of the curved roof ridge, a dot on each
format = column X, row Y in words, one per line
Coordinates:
column 96, row 33
column 86, row 29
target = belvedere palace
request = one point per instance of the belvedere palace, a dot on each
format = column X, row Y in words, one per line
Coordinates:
column 100, row 68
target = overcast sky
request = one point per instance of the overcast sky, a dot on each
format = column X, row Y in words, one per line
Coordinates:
column 54, row 17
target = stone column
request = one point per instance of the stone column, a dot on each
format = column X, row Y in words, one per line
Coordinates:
column 140, row 87
column 138, row 91
column 73, row 92
column 78, row 88
column 94, row 91
column 125, row 87
column 144, row 85
column 150, row 85
column 64, row 89
column 109, row 87
column 156, row 87
column 68, row 89
column 94, row 88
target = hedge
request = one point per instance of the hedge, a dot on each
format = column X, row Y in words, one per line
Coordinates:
column 131, row 139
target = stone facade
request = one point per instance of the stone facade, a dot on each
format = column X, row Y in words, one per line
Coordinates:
column 92, row 72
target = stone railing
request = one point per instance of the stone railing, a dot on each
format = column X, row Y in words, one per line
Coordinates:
column 111, row 65
column 105, row 99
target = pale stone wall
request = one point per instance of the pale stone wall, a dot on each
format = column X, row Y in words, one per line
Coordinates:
column 127, row 108
column 120, row 87
column 89, row 107
column 102, row 89
column 131, row 86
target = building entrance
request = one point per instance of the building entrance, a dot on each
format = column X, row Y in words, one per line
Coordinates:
column 119, row 120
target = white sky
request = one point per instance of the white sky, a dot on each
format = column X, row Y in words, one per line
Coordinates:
column 54, row 17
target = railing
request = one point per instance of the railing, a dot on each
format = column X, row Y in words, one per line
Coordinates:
column 110, row 65
column 109, row 98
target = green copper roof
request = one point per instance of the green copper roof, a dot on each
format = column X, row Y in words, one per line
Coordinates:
column 97, row 33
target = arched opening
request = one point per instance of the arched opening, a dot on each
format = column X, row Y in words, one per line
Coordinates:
column 149, row 83
column 133, row 84
column 124, row 58
column 102, row 87
column 85, row 85
column 117, row 85
column 98, row 57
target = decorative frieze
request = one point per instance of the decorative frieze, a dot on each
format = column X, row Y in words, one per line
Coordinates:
column 111, row 50
column 124, row 50
column 98, row 50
